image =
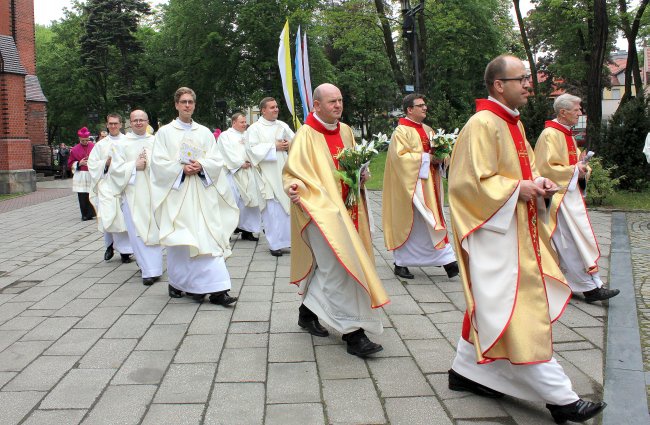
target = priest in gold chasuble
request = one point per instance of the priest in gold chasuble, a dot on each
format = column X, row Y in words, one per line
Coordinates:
column 413, row 222
column 569, row 232
column 514, row 290
column 332, row 258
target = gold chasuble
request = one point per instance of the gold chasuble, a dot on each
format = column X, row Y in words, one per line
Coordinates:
column 409, row 142
column 311, row 167
column 513, row 288
column 556, row 156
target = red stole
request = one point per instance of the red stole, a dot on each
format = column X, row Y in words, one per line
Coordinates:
column 568, row 137
column 335, row 145
column 527, row 174
column 426, row 147
column 424, row 137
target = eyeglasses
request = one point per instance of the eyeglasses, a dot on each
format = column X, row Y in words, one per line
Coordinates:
column 138, row 121
column 523, row 79
column 420, row 105
column 186, row 102
column 114, row 123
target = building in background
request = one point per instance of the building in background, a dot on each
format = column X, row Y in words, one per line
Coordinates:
column 23, row 112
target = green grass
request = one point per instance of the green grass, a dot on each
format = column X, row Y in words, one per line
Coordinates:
column 10, row 195
column 628, row 200
column 619, row 200
column 376, row 181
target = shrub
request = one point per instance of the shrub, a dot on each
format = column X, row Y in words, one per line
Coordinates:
column 623, row 141
column 601, row 185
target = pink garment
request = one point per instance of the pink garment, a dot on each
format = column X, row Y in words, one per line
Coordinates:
column 78, row 153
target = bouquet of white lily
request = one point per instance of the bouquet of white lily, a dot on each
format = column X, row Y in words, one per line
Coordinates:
column 352, row 162
column 442, row 143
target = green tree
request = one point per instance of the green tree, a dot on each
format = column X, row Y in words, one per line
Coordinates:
column 362, row 68
column 573, row 38
column 62, row 76
column 110, row 49
column 463, row 36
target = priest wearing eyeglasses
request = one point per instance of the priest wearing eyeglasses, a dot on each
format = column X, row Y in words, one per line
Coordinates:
column 193, row 205
column 414, row 224
column 514, row 290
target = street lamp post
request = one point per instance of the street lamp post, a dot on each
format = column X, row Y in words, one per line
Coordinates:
column 409, row 30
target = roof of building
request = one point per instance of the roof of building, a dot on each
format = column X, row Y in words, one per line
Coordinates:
column 9, row 58
column 33, row 91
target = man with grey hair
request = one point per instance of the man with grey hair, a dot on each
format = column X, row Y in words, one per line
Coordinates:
column 267, row 144
column 132, row 186
column 569, row 232
column 244, row 179
column 514, row 289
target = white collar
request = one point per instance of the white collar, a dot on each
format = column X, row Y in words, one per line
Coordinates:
column 132, row 135
column 264, row 121
column 184, row 125
column 513, row 112
column 330, row 127
column 237, row 132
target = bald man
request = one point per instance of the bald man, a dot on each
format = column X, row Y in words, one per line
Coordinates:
column 132, row 184
column 512, row 298
column 332, row 258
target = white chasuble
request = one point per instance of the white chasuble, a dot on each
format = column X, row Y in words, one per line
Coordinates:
column 197, row 211
column 260, row 147
column 107, row 205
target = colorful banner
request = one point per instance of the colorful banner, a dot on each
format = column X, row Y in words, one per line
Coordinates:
column 303, row 77
column 284, row 62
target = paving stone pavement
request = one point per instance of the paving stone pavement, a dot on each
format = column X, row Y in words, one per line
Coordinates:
column 83, row 341
column 639, row 231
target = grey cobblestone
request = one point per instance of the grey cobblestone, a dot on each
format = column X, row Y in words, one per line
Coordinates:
column 87, row 341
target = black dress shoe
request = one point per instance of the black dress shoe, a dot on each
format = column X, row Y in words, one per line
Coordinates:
column 578, row 411
column 276, row 252
column 126, row 258
column 196, row 297
column 222, row 298
column 359, row 344
column 403, row 272
column 600, row 294
column 109, row 252
column 173, row 292
column 313, row 326
column 248, row 236
column 148, row 281
column 237, row 230
column 86, row 218
column 451, row 269
column 458, row 382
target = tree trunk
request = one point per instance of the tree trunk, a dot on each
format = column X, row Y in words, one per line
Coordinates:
column 594, row 77
column 632, row 72
column 524, row 40
column 388, row 43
